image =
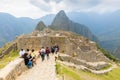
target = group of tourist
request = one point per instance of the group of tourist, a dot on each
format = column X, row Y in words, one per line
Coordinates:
column 30, row 56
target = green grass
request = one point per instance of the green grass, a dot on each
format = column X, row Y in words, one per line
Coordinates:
column 113, row 75
column 76, row 74
column 8, row 58
column 67, row 73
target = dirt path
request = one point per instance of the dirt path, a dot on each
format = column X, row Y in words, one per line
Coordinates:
column 42, row 71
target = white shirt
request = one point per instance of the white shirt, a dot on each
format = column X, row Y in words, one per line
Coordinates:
column 42, row 50
column 21, row 52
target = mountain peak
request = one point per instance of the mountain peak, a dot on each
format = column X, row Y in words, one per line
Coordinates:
column 62, row 22
column 62, row 12
column 40, row 26
column 60, row 18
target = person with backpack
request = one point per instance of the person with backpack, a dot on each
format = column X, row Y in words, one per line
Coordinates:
column 56, row 49
column 52, row 49
column 47, row 52
column 27, row 60
column 42, row 53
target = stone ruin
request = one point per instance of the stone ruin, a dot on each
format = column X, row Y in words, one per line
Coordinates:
column 69, row 43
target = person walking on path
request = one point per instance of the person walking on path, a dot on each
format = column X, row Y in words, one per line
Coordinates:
column 42, row 53
column 56, row 49
column 47, row 52
column 52, row 49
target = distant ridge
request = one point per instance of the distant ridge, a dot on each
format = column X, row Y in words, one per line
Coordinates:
column 11, row 26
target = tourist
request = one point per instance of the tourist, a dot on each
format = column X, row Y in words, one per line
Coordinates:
column 47, row 52
column 42, row 53
column 27, row 60
column 52, row 49
column 21, row 52
column 28, row 52
column 56, row 49
column 33, row 55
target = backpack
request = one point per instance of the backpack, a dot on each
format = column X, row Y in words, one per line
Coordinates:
column 29, row 64
column 47, row 51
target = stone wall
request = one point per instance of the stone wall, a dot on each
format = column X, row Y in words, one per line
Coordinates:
column 91, row 65
column 70, row 46
column 9, row 49
column 36, row 42
column 13, row 69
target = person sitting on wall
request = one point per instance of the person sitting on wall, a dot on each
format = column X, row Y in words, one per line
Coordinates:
column 27, row 60
column 21, row 52
column 33, row 55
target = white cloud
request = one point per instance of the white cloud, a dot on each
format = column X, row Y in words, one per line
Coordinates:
column 57, row 1
column 38, row 8
column 106, row 6
column 41, row 4
column 20, row 8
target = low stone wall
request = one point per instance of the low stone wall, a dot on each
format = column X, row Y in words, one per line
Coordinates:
column 9, row 49
column 90, row 65
column 13, row 69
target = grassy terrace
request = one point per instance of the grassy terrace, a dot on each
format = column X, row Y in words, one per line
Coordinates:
column 8, row 58
column 75, row 74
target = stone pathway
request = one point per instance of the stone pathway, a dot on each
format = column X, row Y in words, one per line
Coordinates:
column 42, row 71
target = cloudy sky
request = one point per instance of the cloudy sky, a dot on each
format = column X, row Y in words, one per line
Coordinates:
column 39, row 8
